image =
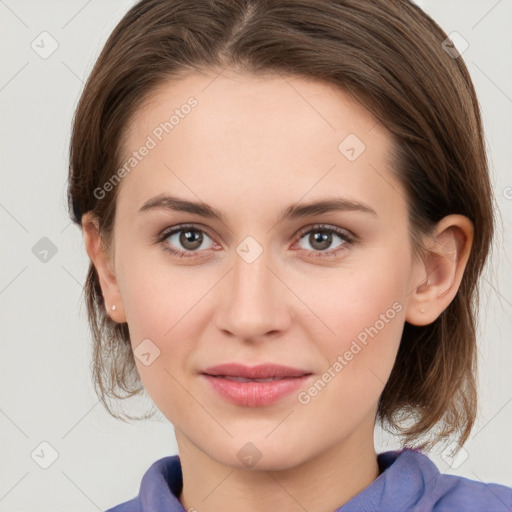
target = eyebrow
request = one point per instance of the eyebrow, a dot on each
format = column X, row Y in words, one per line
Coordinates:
column 293, row 211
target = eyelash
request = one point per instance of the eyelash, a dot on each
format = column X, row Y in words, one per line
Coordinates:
column 349, row 239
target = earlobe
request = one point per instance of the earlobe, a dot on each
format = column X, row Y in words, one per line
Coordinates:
column 439, row 275
column 101, row 261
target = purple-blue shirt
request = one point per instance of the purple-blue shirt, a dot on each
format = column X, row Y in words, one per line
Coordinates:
column 409, row 482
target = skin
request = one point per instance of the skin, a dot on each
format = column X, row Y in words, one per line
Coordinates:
column 251, row 147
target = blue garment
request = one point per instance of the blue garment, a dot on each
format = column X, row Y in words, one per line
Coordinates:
column 409, row 482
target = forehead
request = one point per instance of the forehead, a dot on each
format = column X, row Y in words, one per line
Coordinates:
column 234, row 135
column 262, row 105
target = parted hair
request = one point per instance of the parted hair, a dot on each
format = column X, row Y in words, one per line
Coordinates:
column 392, row 58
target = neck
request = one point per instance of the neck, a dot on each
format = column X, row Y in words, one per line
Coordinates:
column 322, row 483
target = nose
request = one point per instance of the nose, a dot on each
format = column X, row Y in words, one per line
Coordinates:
column 254, row 302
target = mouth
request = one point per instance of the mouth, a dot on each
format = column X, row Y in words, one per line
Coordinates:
column 244, row 379
column 262, row 372
column 254, row 386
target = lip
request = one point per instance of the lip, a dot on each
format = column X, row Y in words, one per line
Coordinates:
column 260, row 371
column 254, row 394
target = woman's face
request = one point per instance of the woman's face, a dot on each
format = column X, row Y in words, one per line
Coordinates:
column 262, row 282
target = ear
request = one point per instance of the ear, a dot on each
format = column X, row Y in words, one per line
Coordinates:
column 101, row 261
column 437, row 278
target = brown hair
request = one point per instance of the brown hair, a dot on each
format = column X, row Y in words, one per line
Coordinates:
column 390, row 56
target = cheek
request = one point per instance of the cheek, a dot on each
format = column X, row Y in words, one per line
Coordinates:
column 163, row 311
column 359, row 356
column 159, row 315
column 156, row 293
column 363, row 314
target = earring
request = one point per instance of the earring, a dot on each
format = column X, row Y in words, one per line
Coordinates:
column 422, row 310
column 113, row 308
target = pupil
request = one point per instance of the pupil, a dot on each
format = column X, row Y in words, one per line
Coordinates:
column 189, row 239
column 324, row 240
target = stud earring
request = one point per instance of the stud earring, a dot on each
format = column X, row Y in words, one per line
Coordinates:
column 422, row 310
column 113, row 308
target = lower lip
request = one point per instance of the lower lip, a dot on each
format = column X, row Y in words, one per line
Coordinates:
column 255, row 394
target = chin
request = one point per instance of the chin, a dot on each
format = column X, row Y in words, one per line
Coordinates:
column 260, row 455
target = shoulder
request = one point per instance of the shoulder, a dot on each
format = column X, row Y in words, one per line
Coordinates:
column 127, row 506
column 159, row 489
column 464, row 494
column 438, row 492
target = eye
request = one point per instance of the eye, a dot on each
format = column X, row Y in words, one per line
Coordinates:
column 190, row 238
column 321, row 237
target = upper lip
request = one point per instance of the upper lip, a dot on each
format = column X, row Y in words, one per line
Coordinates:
column 260, row 371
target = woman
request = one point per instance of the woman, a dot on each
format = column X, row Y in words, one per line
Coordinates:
column 287, row 209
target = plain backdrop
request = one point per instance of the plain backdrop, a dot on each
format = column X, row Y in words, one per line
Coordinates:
column 94, row 461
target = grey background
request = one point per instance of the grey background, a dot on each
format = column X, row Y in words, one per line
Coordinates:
column 46, row 392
